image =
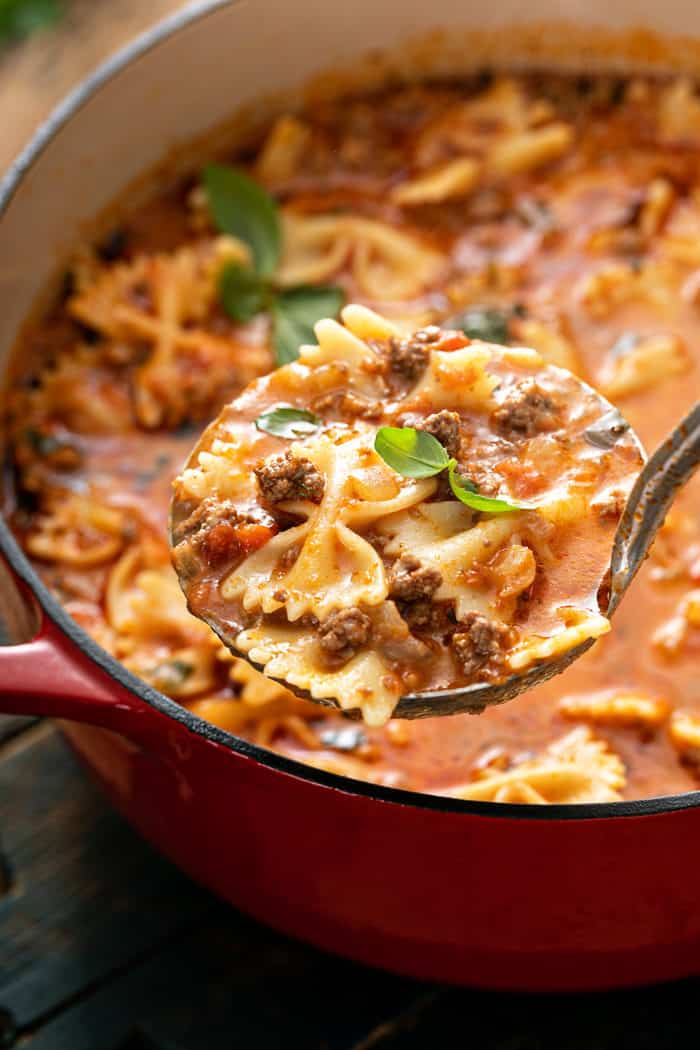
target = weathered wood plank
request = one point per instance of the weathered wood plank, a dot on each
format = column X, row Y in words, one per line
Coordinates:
column 232, row 983
column 12, row 725
column 102, row 943
column 88, row 896
column 104, row 946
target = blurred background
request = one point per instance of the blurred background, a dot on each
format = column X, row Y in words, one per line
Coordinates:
column 47, row 46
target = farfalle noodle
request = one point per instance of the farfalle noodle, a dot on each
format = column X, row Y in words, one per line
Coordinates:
column 364, row 584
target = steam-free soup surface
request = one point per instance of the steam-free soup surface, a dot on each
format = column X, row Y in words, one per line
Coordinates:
column 557, row 213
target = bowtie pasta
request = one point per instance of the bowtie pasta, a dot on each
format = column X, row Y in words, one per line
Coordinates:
column 555, row 211
column 356, row 579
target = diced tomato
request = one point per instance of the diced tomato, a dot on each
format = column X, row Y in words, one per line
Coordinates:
column 251, row 536
column 454, row 342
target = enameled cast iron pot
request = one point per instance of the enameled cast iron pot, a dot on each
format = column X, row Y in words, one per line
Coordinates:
column 502, row 896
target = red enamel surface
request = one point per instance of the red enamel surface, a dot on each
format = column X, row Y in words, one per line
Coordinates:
column 494, row 902
column 491, row 901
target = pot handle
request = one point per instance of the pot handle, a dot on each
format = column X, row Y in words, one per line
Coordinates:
column 50, row 675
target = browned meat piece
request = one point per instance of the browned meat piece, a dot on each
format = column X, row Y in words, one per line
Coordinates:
column 525, row 411
column 286, row 477
column 410, row 581
column 205, row 515
column 444, row 426
column 219, row 531
column 409, row 357
column 430, row 334
column 479, row 643
column 343, row 633
column 348, row 404
column 429, row 617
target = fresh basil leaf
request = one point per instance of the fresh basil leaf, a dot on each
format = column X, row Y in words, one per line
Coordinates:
column 466, row 491
column 242, row 293
column 411, row 453
column 243, row 209
column 288, row 422
column 487, row 323
column 294, row 314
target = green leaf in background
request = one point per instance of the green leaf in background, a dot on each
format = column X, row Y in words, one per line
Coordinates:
column 243, row 209
column 288, row 422
column 294, row 314
column 20, row 17
column 487, row 323
column 241, row 292
column 467, row 492
column 411, row 453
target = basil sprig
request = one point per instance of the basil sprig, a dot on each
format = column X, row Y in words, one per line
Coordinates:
column 241, row 292
column 411, row 453
column 467, row 491
column 288, row 422
column 296, row 311
column 490, row 324
column 417, row 454
column 243, row 209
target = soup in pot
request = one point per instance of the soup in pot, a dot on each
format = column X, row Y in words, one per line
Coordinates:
column 560, row 213
column 401, row 513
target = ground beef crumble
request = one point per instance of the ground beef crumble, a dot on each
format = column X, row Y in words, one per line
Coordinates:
column 211, row 512
column 343, row 633
column 408, row 358
column 213, row 529
column 479, row 643
column 410, row 581
column 429, row 617
column 445, row 426
column 526, row 410
column 348, row 405
column 287, row 477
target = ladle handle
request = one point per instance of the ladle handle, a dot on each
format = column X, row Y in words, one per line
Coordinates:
column 671, row 466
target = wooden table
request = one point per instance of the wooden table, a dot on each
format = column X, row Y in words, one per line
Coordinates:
column 36, row 73
column 106, row 946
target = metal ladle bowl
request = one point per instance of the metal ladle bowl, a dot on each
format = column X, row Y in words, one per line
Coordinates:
column 670, row 467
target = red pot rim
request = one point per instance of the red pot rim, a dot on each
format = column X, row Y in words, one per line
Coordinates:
column 57, row 119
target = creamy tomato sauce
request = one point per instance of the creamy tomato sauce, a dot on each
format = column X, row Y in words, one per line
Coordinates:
column 582, row 242
column 327, row 561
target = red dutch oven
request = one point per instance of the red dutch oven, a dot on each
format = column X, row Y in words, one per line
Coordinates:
column 499, row 896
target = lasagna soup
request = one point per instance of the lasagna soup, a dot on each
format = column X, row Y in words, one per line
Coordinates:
column 543, row 210
column 398, row 513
